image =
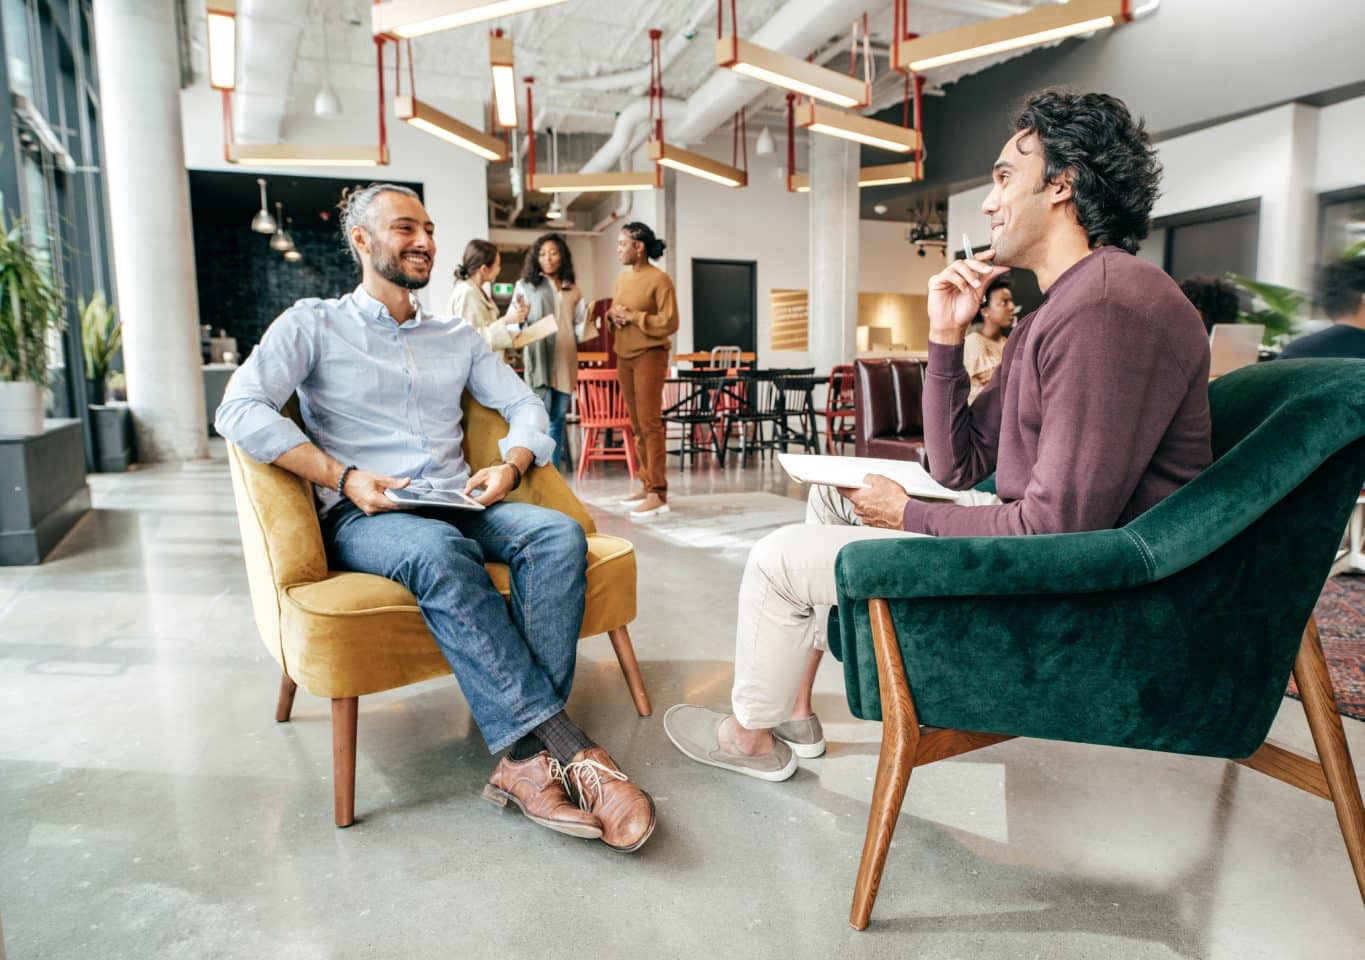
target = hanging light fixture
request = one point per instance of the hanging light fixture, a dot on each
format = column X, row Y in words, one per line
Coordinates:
column 292, row 256
column 428, row 119
column 1045, row 23
column 263, row 222
column 686, row 161
column 765, row 145
column 405, row 19
column 306, row 155
column 222, row 22
column 792, row 73
column 281, row 241
column 609, row 182
column 555, row 212
column 851, row 126
column 887, row 173
column 781, row 70
column 326, row 103
column 500, row 60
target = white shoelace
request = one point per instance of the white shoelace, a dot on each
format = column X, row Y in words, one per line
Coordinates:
column 591, row 771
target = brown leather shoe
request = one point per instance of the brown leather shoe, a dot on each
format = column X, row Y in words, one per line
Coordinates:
column 625, row 811
column 537, row 787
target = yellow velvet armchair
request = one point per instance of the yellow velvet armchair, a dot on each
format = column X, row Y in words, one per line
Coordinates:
column 342, row 635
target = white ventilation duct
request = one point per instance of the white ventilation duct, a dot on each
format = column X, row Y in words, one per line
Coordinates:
column 637, row 80
column 268, row 35
column 798, row 29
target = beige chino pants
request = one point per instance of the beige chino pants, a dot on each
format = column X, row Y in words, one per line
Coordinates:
column 784, row 602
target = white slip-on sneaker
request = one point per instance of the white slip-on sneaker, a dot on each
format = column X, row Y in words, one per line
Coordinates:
column 696, row 732
column 805, row 737
column 651, row 506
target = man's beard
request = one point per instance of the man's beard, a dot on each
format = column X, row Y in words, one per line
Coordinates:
column 391, row 269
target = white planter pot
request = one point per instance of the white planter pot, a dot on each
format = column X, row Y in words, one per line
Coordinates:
column 21, row 409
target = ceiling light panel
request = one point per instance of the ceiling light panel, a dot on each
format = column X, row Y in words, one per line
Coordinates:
column 1046, row 23
column 694, row 164
column 790, row 73
column 222, row 19
column 592, row 182
column 428, row 119
column 406, row 19
column 860, row 129
column 304, row 155
column 501, row 62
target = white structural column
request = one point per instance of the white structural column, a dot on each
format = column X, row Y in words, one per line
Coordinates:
column 149, row 222
column 834, row 214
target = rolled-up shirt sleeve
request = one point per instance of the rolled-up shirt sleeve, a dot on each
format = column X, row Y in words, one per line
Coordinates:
column 494, row 384
column 250, row 415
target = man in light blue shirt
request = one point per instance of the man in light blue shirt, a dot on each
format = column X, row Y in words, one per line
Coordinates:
column 379, row 383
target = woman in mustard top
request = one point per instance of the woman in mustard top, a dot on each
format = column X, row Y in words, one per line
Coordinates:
column 644, row 310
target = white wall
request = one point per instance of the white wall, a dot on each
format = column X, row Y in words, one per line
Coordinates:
column 762, row 222
column 765, row 223
column 887, row 263
column 453, row 180
column 1283, row 157
column 1341, row 146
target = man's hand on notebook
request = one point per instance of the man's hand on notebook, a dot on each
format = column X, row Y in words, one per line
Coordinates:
column 880, row 504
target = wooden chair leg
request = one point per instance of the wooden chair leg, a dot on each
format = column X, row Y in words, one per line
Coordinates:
column 900, row 741
column 625, row 655
column 345, row 712
column 285, row 704
column 1320, row 705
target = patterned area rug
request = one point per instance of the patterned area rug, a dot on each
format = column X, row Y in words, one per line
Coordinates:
column 1341, row 622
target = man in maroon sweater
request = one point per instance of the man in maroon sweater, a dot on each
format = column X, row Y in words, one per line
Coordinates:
column 1098, row 411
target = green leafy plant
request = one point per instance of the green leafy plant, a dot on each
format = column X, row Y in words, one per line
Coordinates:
column 101, row 336
column 31, row 307
column 1356, row 249
column 1278, row 308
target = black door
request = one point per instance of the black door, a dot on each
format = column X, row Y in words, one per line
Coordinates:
column 724, row 304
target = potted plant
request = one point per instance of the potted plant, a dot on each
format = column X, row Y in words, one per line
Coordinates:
column 31, row 307
column 1280, row 308
column 101, row 337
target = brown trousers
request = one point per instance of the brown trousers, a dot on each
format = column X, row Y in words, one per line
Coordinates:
column 642, row 386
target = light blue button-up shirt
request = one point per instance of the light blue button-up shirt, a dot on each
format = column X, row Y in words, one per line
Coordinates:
column 375, row 393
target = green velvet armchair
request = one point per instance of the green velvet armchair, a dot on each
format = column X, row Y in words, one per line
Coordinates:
column 1176, row 633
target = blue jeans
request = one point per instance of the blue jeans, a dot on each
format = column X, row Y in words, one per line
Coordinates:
column 557, row 406
column 515, row 664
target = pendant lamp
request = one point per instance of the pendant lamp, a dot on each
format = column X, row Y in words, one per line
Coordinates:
column 263, row 222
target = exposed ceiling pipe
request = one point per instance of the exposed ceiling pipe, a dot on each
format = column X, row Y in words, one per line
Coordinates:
column 798, row 29
column 618, row 145
column 638, row 80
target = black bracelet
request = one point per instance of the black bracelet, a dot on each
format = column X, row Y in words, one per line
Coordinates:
column 509, row 463
column 341, row 484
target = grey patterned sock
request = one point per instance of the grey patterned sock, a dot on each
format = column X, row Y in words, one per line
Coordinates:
column 562, row 737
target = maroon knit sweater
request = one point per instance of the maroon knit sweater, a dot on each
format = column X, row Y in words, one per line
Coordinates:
column 1099, row 409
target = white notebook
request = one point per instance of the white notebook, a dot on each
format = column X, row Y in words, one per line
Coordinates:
column 850, row 471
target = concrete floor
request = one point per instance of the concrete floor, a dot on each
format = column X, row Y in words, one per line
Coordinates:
column 150, row 806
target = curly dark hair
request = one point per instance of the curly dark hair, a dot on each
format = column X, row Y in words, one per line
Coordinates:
column 1340, row 287
column 1213, row 297
column 1114, row 170
column 530, row 267
column 654, row 247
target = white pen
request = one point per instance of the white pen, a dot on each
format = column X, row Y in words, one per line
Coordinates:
column 967, row 247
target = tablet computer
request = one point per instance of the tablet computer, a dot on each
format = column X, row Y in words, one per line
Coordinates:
column 445, row 499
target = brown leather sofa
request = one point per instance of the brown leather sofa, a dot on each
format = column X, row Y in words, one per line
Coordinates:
column 888, row 420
